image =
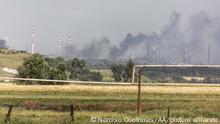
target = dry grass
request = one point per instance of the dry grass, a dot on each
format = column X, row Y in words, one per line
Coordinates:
column 106, row 73
column 5, row 74
column 12, row 60
column 209, row 90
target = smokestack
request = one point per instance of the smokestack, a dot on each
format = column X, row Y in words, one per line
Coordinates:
column 159, row 52
column 33, row 40
column 132, row 55
column 208, row 59
column 59, row 44
column 148, row 52
column 154, row 54
column 6, row 37
column 69, row 47
column 190, row 57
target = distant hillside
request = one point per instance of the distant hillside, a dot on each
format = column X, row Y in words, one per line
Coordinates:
column 11, row 58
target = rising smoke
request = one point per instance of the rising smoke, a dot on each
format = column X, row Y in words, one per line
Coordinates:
column 172, row 45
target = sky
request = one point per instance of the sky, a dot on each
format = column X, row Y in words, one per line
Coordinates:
column 85, row 20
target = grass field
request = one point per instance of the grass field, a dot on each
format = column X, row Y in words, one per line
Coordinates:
column 12, row 60
column 108, row 101
column 5, row 74
column 106, row 73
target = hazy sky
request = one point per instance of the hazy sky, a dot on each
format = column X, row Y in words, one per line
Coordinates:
column 85, row 20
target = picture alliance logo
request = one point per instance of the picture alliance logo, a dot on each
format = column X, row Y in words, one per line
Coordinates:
column 152, row 120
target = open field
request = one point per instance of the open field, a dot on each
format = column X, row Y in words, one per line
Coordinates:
column 22, row 116
column 110, row 101
column 106, row 73
column 5, row 74
column 200, row 89
column 12, row 60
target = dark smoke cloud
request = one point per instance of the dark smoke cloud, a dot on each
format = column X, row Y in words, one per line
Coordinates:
column 172, row 45
column 172, row 41
column 97, row 49
column 203, row 29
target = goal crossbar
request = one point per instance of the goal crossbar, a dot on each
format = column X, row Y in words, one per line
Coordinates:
column 176, row 66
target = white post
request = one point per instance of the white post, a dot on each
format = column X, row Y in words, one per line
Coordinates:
column 69, row 47
column 133, row 74
column 6, row 37
column 33, row 40
column 59, row 45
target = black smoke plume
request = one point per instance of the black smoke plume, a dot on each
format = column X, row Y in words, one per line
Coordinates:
column 173, row 44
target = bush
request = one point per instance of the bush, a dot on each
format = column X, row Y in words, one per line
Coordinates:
column 122, row 72
column 58, row 73
column 79, row 71
column 35, row 67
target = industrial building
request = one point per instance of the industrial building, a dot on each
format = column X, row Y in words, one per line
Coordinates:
column 2, row 44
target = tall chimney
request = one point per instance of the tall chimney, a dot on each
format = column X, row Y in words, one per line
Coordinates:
column 208, row 58
column 69, row 47
column 59, row 44
column 33, row 40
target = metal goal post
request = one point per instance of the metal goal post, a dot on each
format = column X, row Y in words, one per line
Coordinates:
column 159, row 66
column 169, row 66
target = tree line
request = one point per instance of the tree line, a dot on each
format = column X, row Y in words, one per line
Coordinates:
column 38, row 67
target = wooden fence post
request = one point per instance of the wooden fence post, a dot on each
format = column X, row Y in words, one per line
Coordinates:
column 71, row 113
column 8, row 114
column 139, row 93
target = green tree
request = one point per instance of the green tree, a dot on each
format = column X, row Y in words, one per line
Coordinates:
column 58, row 73
column 33, row 67
column 122, row 72
column 37, row 68
column 53, row 62
column 77, row 68
column 129, row 69
column 95, row 76
column 79, row 71
column 117, row 72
